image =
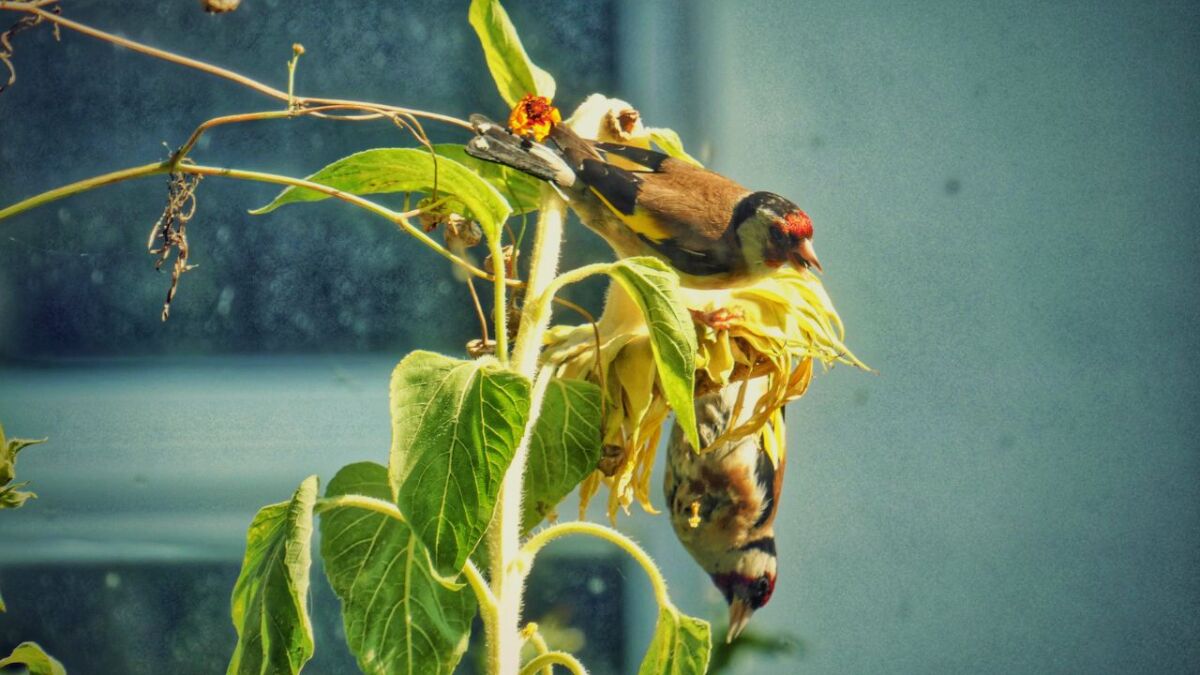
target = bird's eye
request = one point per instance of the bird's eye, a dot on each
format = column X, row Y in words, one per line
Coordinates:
column 760, row 592
column 778, row 235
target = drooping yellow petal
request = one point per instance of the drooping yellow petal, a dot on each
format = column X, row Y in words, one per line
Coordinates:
column 636, row 374
column 780, row 328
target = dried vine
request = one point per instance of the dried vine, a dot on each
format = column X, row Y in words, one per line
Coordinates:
column 170, row 231
column 6, row 49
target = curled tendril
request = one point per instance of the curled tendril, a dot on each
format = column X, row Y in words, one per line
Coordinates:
column 6, row 48
column 170, row 231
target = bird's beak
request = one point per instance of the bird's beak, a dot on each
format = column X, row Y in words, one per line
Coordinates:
column 739, row 615
column 807, row 257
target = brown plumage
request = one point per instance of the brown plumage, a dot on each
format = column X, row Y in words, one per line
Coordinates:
column 713, row 231
column 723, row 504
column 686, row 193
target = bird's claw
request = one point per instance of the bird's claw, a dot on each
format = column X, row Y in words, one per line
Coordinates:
column 722, row 318
column 478, row 347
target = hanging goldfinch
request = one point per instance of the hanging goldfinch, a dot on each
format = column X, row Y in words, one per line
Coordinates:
column 723, row 500
column 712, row 231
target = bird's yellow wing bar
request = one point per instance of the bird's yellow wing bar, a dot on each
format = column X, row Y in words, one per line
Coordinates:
column 639, row 220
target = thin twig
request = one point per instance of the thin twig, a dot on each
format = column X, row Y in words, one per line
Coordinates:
column 399, row 218
column 35, row 9
column 483, row 326
column 598, row 362
column 85, row 185
column 6, row 48
column 315, row 111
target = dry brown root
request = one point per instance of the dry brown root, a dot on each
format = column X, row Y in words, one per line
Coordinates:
column 170, row 231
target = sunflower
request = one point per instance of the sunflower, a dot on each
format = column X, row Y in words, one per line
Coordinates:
column 775, row 329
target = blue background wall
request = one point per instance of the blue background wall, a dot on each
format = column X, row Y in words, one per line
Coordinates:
column 1008, row 197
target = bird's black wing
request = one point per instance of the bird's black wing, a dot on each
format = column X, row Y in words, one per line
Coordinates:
column 695, row 263
column 648, row 158
column 616, row 186
column 619, row 185
column 619, row 188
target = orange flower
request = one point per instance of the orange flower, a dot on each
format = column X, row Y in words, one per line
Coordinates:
column 533, row 117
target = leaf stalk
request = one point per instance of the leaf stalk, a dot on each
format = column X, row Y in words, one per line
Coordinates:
column 487, row 602
column 554, row 659
column 657, row 582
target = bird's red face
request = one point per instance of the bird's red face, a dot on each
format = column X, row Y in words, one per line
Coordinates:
column 755, row 591
column 745, row 595
column 790, row 241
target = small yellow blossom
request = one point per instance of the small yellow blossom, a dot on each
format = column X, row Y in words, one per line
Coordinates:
column 533, row 117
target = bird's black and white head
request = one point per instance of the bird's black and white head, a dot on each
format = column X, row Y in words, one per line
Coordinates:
column 788, row 232
column 746, row 577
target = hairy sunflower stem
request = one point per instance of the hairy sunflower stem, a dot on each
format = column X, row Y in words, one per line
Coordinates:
column 504, row 537
column 499, row 306
column 547, row 246
column 508, row 579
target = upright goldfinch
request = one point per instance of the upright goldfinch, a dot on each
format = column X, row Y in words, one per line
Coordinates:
column 723, row 503
column 712, row 231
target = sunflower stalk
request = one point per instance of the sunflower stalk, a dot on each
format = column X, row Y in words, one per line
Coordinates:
column 504, row 539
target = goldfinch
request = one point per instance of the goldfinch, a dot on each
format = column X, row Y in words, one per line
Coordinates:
column 712, row 231
column 723, row 503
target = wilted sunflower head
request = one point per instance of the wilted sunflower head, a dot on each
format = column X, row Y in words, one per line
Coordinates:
column 776, row 330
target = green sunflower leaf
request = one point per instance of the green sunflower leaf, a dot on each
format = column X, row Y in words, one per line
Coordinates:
column 455, row 427
column 514, row 73
column 270, row 598
column 405, row 170
column 681, row 645
column 35, row 660
column 655, row 288
column 399, row 620
column 564, row 449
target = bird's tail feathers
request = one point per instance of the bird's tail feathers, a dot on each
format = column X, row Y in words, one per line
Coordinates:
column 495, row 144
